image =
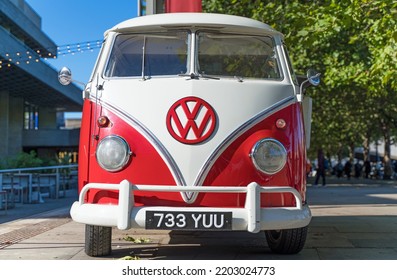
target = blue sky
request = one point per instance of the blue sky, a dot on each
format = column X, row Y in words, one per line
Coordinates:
column 76, row 21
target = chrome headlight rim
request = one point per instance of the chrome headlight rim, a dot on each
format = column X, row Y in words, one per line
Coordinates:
column 254, row 153
column 126, row 154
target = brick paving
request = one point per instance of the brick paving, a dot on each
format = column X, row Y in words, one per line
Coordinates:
column 24, row 221
column 18, row 235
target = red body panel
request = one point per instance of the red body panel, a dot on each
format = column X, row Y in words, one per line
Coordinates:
column 233, row 167
column 85, row 144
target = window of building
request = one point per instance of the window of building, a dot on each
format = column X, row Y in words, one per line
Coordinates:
column 31, row 116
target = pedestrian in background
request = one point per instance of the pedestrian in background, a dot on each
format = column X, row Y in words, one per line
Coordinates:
column 348, row 169
column 367, row 168
column 339, row 170
column 320, row 167
column 357, row 169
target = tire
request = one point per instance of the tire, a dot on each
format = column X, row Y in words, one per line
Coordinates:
column 98, row 241
column 286, row 241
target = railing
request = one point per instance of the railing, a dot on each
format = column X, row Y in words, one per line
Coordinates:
column 24, row 170
column 30, row 185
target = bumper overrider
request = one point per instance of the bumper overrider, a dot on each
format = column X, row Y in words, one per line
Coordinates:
column 251, row 218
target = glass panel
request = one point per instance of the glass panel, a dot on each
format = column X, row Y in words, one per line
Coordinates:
column 148, row 55
column 31, row 117
column 237, row 56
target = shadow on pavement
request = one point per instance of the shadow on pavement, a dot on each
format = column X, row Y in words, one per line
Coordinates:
column 329, row 238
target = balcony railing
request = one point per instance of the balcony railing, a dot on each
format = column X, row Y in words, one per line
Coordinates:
column 31, row 185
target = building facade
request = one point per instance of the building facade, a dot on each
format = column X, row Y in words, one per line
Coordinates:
column 31, row 98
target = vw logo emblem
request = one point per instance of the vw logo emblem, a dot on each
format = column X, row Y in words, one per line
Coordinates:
column 191, row 120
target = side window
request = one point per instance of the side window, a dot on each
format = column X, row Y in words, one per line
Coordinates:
column 148, row 55
column 237, row 56
column 291, row 69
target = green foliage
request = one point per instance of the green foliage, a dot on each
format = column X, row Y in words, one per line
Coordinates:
column 129, row 258
column 136, row 240
column 25, row 160
column 353, row 43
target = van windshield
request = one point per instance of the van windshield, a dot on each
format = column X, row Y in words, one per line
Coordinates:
column 237, row 56
column 148, row 55
column 216, row 54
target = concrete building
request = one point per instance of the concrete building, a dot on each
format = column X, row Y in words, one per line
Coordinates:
column 31, row 97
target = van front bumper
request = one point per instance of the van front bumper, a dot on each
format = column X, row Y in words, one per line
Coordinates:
column 251, row 218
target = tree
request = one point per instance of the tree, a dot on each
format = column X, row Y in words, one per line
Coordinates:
column 353, row 44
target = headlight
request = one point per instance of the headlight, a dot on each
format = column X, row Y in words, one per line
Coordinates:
column 269, row 156
column 113, row 153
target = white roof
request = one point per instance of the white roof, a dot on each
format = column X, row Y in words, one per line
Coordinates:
column 227, row 23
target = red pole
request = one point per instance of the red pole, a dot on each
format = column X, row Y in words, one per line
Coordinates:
column 180, row 6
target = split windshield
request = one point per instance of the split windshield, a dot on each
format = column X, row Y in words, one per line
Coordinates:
column 215, row 54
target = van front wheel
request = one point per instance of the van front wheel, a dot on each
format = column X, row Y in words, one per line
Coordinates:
column 286, row 241
column 98, row 240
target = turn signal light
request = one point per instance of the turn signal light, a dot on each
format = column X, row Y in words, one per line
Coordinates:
column 281, row 124
column 103, row 121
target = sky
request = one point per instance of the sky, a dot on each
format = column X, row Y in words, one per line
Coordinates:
column 77, row 21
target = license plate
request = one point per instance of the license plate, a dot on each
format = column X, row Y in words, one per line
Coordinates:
column 188, row 220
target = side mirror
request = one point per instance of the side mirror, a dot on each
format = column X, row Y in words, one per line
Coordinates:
column 313, row 77
column 65, row 76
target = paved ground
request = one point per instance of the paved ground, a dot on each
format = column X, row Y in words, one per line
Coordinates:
column 352, row 220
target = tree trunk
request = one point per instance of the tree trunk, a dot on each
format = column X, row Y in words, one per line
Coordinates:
column 386, row 158
column 351, row 152
column 367, row 141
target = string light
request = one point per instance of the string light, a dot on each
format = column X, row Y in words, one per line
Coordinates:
column 78, row 47
column 36, row 55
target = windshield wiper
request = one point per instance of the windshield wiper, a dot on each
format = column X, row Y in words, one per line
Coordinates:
column 194, row 76
column 239, row 79
column 208, row 77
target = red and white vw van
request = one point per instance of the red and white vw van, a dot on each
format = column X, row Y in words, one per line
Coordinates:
column 193, row 121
